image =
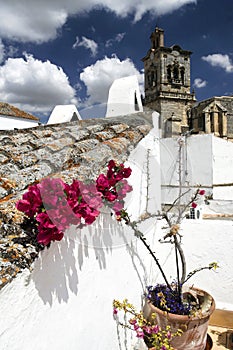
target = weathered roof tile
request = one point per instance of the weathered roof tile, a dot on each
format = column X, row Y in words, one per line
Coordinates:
column 105, row 135
column 8, row 110
column 118, row 128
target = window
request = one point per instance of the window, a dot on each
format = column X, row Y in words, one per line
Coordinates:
column 169, row 73
column 182, row 74
column 176, row 72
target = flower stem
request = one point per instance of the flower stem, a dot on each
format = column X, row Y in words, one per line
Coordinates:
column 177, row 268
column 156, row 260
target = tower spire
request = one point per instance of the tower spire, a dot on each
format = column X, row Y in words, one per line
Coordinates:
column 157, row 38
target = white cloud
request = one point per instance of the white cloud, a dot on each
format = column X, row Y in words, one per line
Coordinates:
column 99, row 77
column 34, row 85
column 2, row 51
column 40, row 21
column 199, row 83
column 87, row 43
column 219, row 60
column 118, row 38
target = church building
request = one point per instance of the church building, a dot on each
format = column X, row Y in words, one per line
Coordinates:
column 167, row 84
column 167, row 90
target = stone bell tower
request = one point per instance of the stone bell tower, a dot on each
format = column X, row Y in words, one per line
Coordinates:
column 167, row 84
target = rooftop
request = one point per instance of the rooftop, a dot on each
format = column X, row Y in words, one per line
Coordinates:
column 8, row 110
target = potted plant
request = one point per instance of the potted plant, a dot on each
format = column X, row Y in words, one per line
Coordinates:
column 181, row 307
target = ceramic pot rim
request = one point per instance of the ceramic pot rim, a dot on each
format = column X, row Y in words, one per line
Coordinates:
column 185, row 318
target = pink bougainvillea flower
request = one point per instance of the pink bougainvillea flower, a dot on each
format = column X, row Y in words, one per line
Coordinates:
column 46, row 236
column 115, row 311
column 127, row 172
column 106, row 184
column 194, row 205
column 102, row 183
column 52, row 191
column 123, row 188
column 63, row 217
column 117, row 206
column 31, row 202
column 56, row 205
column 202, row 192
column 111, row 164
column 47, row 230
column 110, row 195
column 91, row 196
column 73, row 192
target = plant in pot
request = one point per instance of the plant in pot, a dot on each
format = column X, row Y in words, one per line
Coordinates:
column 182, row 308
column 175, row 304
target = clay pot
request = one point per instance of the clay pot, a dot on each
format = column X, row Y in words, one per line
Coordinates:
column 194, row 336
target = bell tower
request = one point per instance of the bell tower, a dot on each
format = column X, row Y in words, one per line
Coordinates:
column 167, row 84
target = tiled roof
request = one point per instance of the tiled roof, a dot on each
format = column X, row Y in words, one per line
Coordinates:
column 79, row 149
column 8, row 110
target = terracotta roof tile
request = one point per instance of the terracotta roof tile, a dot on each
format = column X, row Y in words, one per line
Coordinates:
column 8, row 110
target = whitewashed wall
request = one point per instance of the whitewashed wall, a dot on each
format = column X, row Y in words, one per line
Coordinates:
column 207, row 161
column 222, row 169
column 121, row 97
column 66, row 301
column 9, row 123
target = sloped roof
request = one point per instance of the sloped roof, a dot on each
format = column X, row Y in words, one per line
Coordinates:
column 79, row 149
column 8, row 110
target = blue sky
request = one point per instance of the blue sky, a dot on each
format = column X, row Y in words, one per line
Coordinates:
column 69, row 52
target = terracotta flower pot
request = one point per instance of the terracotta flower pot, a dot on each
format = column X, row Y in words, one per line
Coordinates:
column 194, row 328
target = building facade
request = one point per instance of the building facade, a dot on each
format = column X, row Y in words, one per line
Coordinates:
column 167, row 84
column 214, row 116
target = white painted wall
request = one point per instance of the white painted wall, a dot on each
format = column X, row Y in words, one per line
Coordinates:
column 207, row 161
column 9, row 123
column 222, row 169
column 66, row 301
column 121, row 97
column 63, row 114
